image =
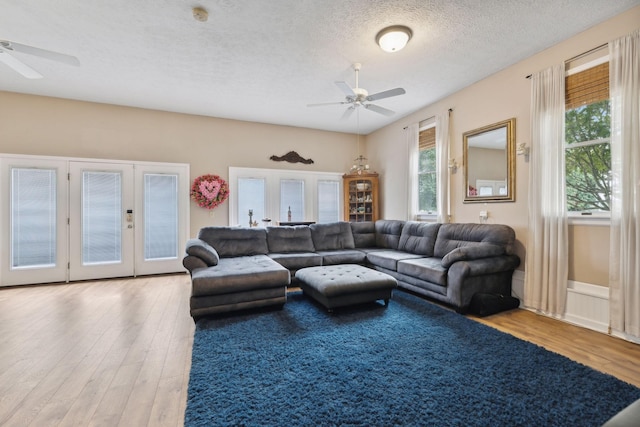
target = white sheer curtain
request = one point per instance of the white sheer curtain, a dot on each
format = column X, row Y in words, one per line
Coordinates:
column 547, row 244
column 624, row 266
column 411, row 143
column 442, row 166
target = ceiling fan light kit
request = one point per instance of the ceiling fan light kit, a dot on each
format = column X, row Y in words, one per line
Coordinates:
column 393, row 38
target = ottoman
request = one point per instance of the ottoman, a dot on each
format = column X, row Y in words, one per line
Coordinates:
column 345, row 284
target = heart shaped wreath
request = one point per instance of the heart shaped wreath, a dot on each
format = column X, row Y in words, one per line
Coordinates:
column 209, row 191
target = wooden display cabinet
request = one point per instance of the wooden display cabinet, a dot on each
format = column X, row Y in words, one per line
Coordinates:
column 360, row 197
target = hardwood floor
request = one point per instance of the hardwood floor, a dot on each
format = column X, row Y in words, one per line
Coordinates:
column 118, row 352
column 103, row 353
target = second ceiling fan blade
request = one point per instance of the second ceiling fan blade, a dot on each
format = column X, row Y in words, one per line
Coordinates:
column 42, row 53
column 344, row 87
column 19, row 66
column 348, row 112
column 386, row 94
column 379, row 109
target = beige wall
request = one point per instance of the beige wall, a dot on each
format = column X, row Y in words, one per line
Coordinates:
column 56, row 127
column 499, row 97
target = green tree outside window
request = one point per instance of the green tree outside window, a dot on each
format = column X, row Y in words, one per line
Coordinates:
column 588, row 157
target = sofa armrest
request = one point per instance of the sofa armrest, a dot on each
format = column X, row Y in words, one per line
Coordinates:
column 191, row 263
column 471, row 252
column 200, row 249
column 483, row 266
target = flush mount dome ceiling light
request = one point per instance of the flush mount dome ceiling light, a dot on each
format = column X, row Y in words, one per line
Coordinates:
column 394, row 38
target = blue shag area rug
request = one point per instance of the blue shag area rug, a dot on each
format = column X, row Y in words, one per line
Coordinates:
column 409, row 364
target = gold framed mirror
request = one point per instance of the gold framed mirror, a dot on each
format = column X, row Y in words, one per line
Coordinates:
column 489, row 163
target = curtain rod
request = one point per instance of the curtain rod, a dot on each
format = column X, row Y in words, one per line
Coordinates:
column 581, row 55
column 450, row 111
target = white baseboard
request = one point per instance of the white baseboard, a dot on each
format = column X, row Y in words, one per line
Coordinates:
column 587, row 304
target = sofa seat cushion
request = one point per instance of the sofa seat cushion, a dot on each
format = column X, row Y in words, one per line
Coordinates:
column 427, row 269
column 389, row 258
column 343, row 256
column 239, row 274
column 298, row 260
column 332, row 236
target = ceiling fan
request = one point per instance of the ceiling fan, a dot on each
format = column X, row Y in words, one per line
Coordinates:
column 359, row 97
column 7, row 48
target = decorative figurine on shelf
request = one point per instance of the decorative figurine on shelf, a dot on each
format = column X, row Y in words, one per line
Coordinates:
column 289, row 214
column 252, row 223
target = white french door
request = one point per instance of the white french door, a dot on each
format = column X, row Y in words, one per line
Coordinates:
column 76, row 219
column 33, row 221
column 101, row 222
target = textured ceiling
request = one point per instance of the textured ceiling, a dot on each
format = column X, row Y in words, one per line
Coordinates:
column 264, row 61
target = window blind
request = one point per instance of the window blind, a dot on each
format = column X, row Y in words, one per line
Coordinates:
column 160, row 216
column 427, row 138
column 587, row 87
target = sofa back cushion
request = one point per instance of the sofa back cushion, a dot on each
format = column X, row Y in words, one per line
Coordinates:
column 388, row 233
column 289, row 239
column 364, row 234
column 235, row 241
column 418, row 238
column 452, row 236
column 331, row 236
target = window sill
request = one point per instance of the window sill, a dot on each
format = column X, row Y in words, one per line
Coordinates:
column 597, row 220
column 427, row 217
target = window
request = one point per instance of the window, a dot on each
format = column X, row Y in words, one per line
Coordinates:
column 587, row 140
column 328, row 201
column 270, row 193
column 427, row 178
column 291, row 200
column 251, row 198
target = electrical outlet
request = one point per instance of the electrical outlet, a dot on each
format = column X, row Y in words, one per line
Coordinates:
column 483, row 216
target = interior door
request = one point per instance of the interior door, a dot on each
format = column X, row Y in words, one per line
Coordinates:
column 101, row 220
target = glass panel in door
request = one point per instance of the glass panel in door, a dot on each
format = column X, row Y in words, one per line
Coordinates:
column 100, row 220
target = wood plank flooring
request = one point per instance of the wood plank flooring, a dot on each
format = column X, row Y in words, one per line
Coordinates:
column 118, row 352
column 99, row 353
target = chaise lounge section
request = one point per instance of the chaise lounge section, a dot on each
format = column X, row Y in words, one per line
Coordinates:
column 235, row 268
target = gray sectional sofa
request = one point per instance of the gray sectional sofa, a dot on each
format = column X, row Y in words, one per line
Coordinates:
column 235, row 268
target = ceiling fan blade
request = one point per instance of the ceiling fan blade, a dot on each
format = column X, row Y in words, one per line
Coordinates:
column 344, row 87
column 348, row 112
column 386, row 94
column 19, row 66
column 327, row 103
column 42, row 53
column 379, row 109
